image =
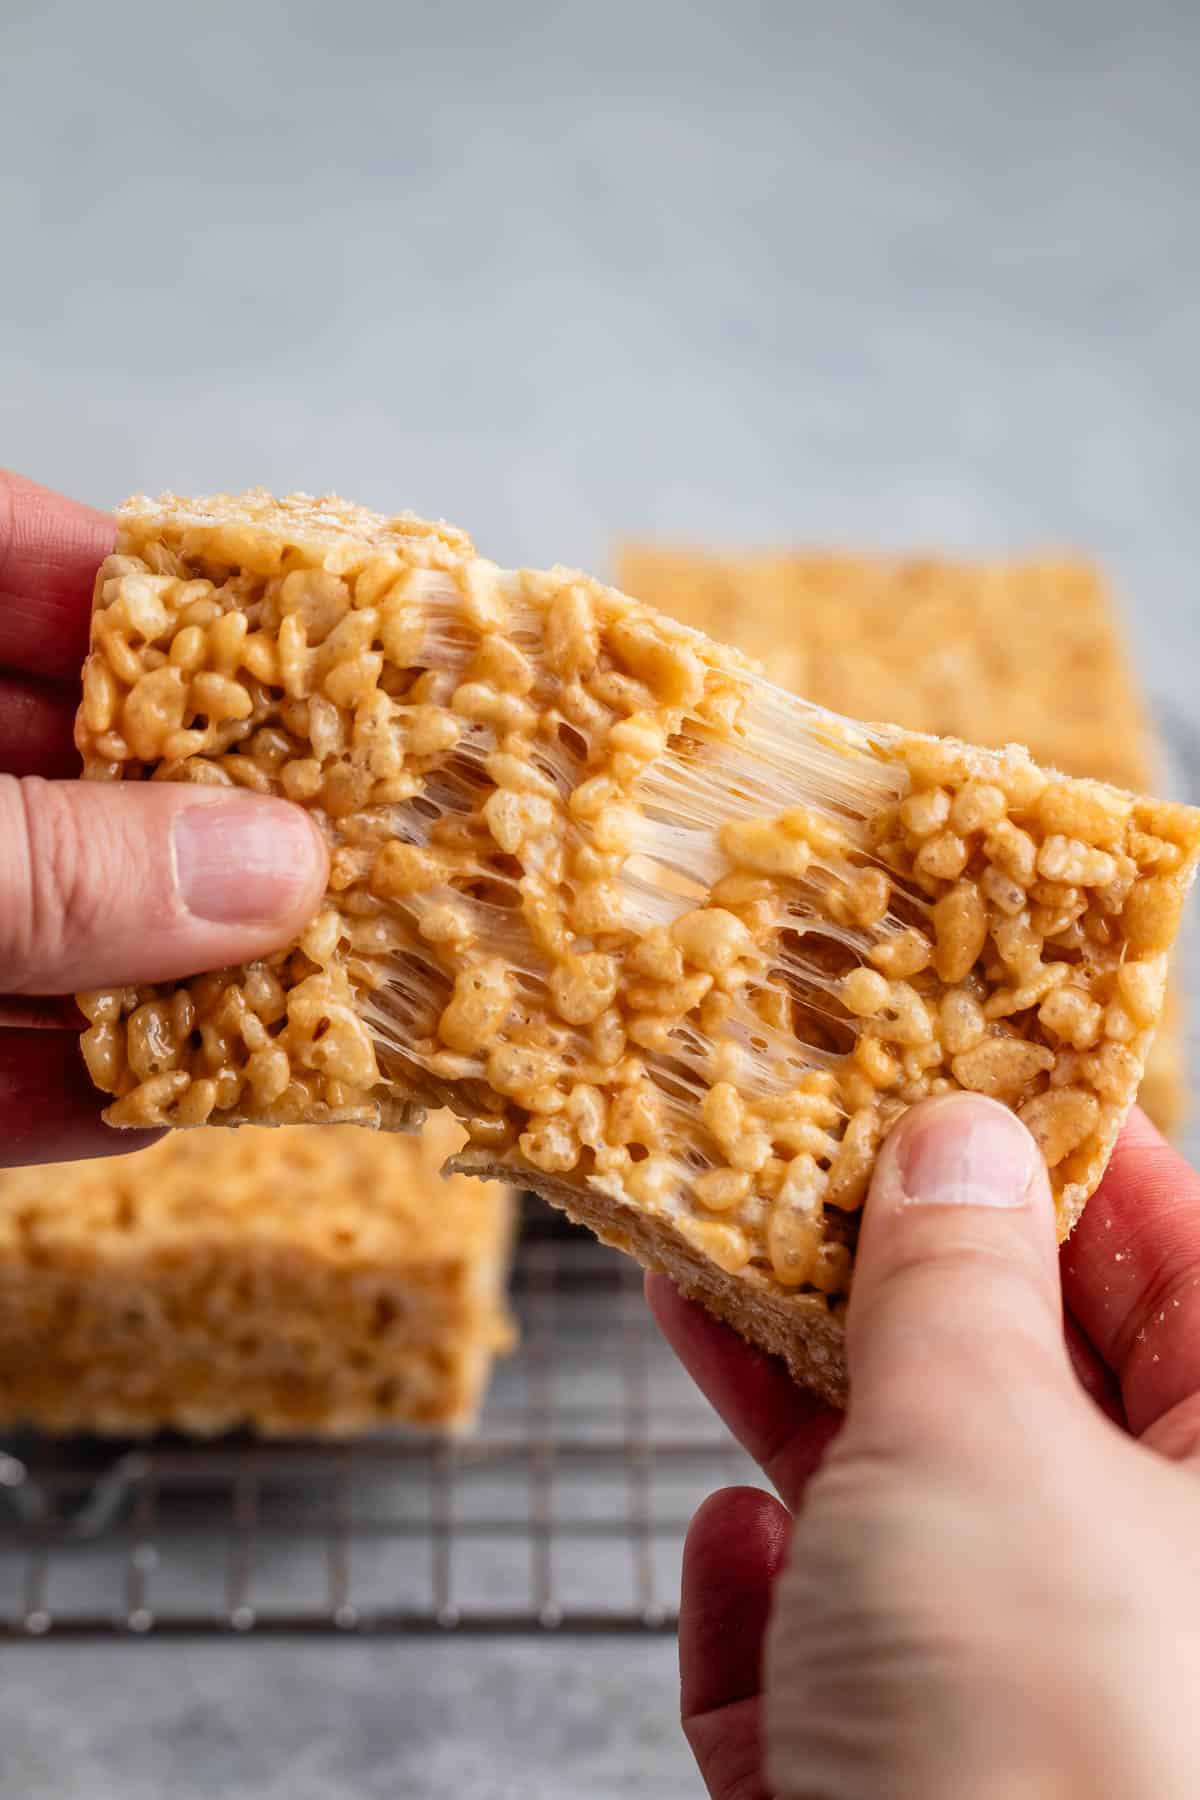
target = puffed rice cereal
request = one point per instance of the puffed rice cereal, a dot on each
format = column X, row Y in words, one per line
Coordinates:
column 677, row 947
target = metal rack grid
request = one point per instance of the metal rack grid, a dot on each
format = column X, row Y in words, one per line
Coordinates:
column 565, row 1511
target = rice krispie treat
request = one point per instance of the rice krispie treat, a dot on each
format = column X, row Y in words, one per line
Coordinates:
column 677, row 947
column 299, row 1282
column 1024, row 651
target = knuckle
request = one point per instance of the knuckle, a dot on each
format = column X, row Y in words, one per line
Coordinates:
column 856, row 1638
column 48, row 898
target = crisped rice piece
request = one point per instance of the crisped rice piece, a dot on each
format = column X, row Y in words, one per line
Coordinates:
column 677, row 947
column 299, row 1282
column 1027, row 651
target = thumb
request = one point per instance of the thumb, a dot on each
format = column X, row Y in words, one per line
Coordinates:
column 103, row 884
column 955, row 1321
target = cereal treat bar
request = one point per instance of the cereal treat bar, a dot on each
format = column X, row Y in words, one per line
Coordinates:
column 995, row 652
column 298, row 1282
column 677, row 947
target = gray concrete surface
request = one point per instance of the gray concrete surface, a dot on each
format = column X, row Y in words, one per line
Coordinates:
column 919, row 274
column 348, row 1721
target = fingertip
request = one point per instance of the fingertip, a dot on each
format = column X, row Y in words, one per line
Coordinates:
column 958, row 1179
column 960, row 1150
column 50, row 549
column 738, row 1531
column 735, row 1548
column 251, row 860
column 956, row 1284
column 42, row 520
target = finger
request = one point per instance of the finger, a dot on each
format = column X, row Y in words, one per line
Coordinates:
column 735, row 1549
column 955, row 1321
column 37, row 724
column 50, row 549
column 1131, row 1273
column 784, row 1429
column 49, row 1109
column 105, row 884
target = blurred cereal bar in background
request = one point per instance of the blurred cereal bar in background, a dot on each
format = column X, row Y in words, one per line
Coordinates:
column 301, row 1282
column 1025, row 652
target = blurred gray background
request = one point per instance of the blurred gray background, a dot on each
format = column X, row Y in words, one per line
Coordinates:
column 860, row 273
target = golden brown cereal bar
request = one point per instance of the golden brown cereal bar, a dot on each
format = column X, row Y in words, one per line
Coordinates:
column 299, row 1282
column 1022, row 651
column 676, row 946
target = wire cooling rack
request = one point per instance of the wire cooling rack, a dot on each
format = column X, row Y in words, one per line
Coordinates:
column 565, row 1511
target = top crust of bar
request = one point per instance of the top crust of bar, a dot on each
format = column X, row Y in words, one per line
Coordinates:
column 254, row 530
column 643, row 919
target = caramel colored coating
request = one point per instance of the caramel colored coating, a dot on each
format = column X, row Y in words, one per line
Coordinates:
column 299, row 1282
column 654, row 929
column 1024, row 651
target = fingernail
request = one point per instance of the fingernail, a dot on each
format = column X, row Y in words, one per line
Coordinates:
column 243, row 862
column 964, row 1151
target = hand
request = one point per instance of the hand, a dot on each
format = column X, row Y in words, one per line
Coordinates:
column 992, row 1587
column 103, row 884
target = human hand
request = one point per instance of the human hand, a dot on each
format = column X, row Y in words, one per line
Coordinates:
column 993, row 1586
column 103, row 884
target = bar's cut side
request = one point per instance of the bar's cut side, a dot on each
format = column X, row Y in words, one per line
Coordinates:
column 676, row 946
column 1026, row 651
column 298, row 1282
